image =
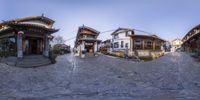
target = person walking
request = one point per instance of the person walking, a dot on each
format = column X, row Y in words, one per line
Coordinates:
column 126, row 53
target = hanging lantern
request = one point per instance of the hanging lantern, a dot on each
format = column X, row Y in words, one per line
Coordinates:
column 20, row 33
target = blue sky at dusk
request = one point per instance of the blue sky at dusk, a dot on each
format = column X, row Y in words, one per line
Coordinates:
column 168, row 19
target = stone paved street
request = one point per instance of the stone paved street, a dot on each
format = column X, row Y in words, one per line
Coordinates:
column 175, row 76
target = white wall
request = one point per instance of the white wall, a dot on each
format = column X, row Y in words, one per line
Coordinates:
column 175, row 45
column 122, row 37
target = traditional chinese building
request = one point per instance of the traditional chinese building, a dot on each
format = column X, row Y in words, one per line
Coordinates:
column 61, row 48
column 86, row 41
column 106, row 46
column 176, row 44
column 137, row 43
column 147, row 45
column 26, row 36
column 191, row 41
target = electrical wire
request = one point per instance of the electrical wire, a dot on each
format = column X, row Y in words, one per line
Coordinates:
column 111, row 31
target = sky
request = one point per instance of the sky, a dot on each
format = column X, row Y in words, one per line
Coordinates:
column 168, row 19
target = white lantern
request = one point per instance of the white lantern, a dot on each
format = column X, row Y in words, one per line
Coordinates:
column 20, row 33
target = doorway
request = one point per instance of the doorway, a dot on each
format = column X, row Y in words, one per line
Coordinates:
column 32, row 46
column 89, row 49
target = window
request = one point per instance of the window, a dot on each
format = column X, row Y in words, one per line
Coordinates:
column 129, row 33
column 132, row 33
column 84, row 36
column 8, row 46
column 111, row 45
column 137, row 44
column 126, row 33
column 148, row 44
column 126, row 45
column 116, row 36
column 158, row 45
column 116, row 45
column 122, row 44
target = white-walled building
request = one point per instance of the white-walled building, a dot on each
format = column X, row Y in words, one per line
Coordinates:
column 121, row 39
column 176, row 44
column 138, row 44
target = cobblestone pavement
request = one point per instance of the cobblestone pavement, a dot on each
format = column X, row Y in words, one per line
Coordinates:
column 175, row 76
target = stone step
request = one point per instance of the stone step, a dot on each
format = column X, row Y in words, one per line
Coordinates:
column 33, row 61
column 34, row 57
column 28, row 65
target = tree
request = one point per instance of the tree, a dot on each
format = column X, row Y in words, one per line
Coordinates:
column 58, row 40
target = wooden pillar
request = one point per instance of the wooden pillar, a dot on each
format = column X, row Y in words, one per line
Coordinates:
column 41, row 42
column 133, row 44
column 143, row 44
column 154, row 45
